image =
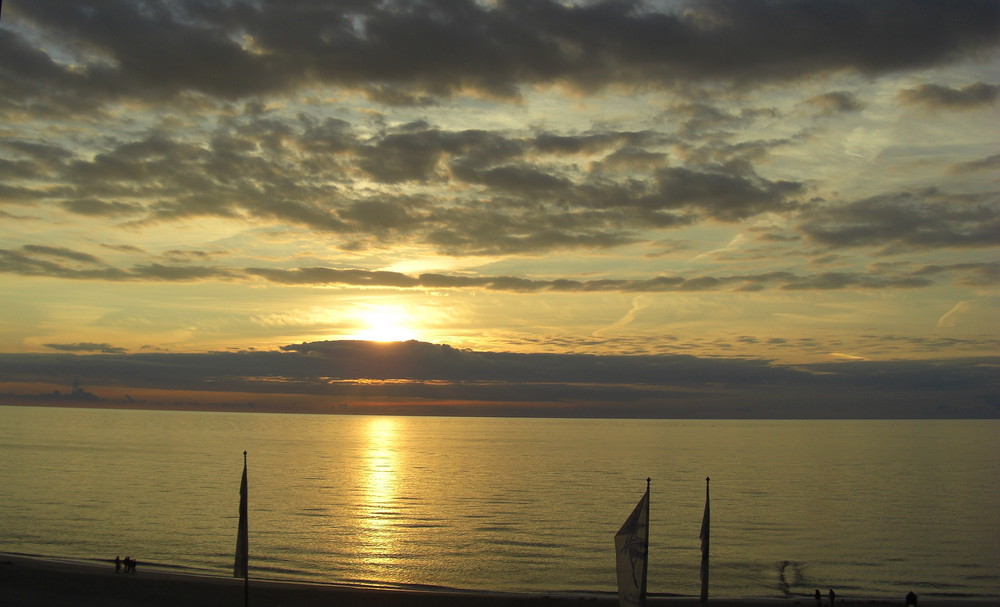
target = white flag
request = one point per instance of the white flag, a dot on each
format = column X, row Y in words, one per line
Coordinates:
column 631, row 550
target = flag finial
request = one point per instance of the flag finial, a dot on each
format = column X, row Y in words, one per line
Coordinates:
column 647, row 482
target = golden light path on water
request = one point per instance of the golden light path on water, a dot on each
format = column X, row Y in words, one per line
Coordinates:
column 378, row 531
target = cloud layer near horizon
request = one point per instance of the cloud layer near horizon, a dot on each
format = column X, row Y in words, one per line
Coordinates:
column 421, row 378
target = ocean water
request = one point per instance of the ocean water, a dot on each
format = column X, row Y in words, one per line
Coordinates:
column 868, row 508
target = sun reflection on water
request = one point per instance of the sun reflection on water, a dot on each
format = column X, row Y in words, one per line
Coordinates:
column 380, row 511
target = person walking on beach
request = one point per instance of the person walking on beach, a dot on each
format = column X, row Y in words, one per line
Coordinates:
column 118, row 564
column 819, row 598
column 833, row 597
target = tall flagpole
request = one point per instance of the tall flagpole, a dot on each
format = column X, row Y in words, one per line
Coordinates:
column 246, row 538
column 645, row 550
column 242, row 564
column 706, row 525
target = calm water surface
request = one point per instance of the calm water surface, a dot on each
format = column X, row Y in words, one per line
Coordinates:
column 869, row 508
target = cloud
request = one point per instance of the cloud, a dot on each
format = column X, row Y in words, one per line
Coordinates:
column 970, row 96
column 723, row 194
column 100, row 208
column 388, row 95
column 317, row 276
column 60, row 252
column 104, row 348
column 844, row 356
column 827, row 281
column 950, row 318
column 405, row 51
column 975, row 274
column 31, row 261
column 749, row 282
column 158, row 272
column 923, row 219
column 638, row 304
column 988, row 164
column 492, row 192
column 836, row 102
column 434, row 378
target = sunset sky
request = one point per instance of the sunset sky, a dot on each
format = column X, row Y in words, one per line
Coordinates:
column 788, row 189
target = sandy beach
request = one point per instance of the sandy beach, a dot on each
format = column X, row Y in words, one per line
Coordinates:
column 31, row 582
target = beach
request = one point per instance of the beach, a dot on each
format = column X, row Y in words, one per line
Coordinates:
column 35, row 582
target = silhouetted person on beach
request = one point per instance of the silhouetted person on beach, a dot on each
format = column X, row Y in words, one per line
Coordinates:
column 118, row 564
column 911, row 599
column 833, row 597
column 819, row 598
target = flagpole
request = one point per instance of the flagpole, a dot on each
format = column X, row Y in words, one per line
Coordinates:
column 242, row 563
column 246, row 566
column 645, row 550
column 706, row 525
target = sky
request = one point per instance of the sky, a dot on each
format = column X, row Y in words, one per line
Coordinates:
column 661, row 208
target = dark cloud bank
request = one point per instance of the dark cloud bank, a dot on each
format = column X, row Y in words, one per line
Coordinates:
column 404, row 50
column 421, row 378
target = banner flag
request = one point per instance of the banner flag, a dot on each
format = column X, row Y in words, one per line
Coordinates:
column 706, row 525
column 240, row 568
column 632, row 551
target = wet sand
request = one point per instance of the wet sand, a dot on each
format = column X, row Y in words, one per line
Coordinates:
column 29, row 582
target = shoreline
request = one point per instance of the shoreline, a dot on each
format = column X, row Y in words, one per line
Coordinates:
column 35, row 581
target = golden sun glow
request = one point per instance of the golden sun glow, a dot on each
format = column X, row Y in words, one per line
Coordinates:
column 385, row 323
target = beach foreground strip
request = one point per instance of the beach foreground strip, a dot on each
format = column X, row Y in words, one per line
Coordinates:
column 30, row 582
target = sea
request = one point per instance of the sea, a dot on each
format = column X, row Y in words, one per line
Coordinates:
column 867, row 508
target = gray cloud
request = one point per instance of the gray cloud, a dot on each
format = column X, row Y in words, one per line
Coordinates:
column 976, row 274
column 87, row 347
column 937, row 96
column 750, row 282
column 331, row 276
column 724, row 194
column 925, row 219
column 19, row 195
column 36, row 260
column 836, row 102
column 32, row 260
column 495, row 193
column 158, row 272
column 555, row 384
column 60, row 252
column 991, row 163
column 100, row 208
column 450, row 46
column 841, row 280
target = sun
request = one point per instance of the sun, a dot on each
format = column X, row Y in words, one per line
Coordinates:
column 384, row 323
